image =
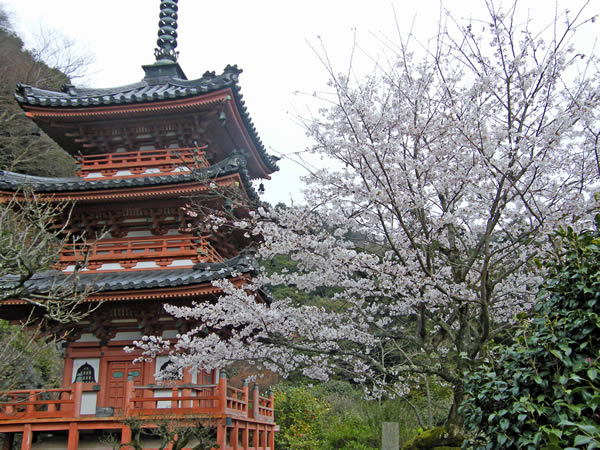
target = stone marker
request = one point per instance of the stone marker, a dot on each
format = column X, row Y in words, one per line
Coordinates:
column 390, row 436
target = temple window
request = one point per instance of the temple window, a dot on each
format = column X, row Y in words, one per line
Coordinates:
column 85, row 374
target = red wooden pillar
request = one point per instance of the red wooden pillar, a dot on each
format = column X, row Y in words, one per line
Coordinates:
column 73, row 442
column 68, row 372
column 245, row 433
column 77, row 392
column 128, row 396
column 245, row 397
column 263, row 437
column 125, row 437
column 255, row 436
column 271, row 432
column 223, row 391
column 27, row 437
column 222, row 436
column 174, row 395
column 255, row 401
column 235, row 434
column 187, row 379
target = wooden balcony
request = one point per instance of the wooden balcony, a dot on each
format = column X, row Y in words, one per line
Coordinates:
column 40, row 404
column 128, row 252
column 135, row 164
column 212, row 400
column 243, row 420
column 154, row 400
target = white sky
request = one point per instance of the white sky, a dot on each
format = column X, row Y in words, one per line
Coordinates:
column 266, row 38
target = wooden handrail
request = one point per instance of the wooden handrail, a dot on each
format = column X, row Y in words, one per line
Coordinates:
column 141, row 248
column 27, row 403
column 179, row 399
column 158, row 387
column 166, row 159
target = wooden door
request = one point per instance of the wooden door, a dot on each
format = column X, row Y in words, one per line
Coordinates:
column 118, row 372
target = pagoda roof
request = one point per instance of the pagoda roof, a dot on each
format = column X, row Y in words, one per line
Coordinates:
column 234, row 164
column 159, row 85
column 137, row 280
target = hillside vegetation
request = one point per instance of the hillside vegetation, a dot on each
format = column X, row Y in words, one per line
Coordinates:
column 23, row 146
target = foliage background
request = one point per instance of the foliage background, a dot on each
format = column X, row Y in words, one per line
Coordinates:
column 544, row 390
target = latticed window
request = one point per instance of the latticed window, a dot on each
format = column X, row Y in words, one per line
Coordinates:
column 170, row 372
column 85, row 374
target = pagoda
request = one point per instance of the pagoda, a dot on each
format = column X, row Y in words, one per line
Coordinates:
column 146, row 152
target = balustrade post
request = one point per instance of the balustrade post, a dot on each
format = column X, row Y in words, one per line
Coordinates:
column 129, row 395
column 272, row 407
column 223, row 391
column 255, row 404
column 30, row 408
column 187, row 379
column 77, row 392
column 245, row 397
column 174, row 397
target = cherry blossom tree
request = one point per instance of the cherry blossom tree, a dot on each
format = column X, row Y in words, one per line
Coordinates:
column 443, row 177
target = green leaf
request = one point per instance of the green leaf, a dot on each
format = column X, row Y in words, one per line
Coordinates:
column 590, row 429
column 501, row 438
column 581, row 439
column 592, row 373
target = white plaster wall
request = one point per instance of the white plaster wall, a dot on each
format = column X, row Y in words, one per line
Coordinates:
column 165, row 393
column 139, row 233
column 146, row 265
column 181, row 263
column 169, row 334
column 88, row 403
column 127, row 335
column 87, row 337
column 110, row 266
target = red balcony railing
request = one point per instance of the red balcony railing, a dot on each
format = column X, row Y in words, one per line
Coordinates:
column 185, row 400
column 166, row 160
column 45, row 403
column 129, row 251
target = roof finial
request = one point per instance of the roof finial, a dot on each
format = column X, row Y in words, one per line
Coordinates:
column 167, row 32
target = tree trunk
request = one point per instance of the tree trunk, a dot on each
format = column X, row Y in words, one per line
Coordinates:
column 454, row 421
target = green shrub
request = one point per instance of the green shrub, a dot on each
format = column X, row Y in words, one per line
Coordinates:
column 299, row 414
column 343, row 419
column 543, row 391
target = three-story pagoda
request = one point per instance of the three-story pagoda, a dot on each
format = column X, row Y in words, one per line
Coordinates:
column 146, row 151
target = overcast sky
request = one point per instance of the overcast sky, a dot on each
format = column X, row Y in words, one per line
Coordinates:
column 268, row 39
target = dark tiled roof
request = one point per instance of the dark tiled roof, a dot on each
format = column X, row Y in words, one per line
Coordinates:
column 235, row 163
column 135, row 280
column 148, row 90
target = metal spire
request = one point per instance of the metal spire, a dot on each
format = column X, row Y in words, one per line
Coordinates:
column 167, row 32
